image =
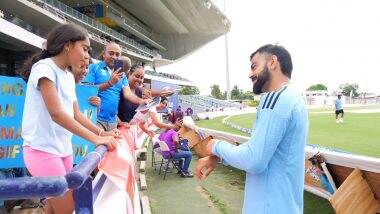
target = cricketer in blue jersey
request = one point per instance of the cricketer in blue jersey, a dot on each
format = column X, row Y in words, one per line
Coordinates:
column 274, row 156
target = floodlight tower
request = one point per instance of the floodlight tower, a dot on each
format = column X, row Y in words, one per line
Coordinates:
column 227, row 63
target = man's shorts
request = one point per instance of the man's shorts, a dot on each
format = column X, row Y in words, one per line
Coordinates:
column 339, row 111
column 106, row 126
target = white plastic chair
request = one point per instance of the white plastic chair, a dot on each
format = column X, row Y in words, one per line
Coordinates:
column 164, row 148
column 155, row 151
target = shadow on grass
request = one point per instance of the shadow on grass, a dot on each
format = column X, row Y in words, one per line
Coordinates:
column 221, row 192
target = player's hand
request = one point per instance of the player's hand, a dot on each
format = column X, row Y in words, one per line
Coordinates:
column 95, row 101
column 205, row 166
column 209, row 146
column 116, row 76
column 108, row 141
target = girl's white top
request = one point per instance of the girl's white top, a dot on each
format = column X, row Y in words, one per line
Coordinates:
column 39, row 131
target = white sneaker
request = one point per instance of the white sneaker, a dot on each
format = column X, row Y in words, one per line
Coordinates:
column 337, row 120
column 341, row 120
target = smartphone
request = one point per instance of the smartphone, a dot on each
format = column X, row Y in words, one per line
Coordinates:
column 118, row 64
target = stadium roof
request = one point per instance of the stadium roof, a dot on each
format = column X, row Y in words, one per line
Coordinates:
column 158, row 32
column 181, row 26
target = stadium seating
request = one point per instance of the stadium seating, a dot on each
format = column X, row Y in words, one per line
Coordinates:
column 204, row 103
column 64, row 11
column 165, row 75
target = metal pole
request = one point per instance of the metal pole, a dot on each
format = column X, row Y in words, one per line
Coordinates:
column 227, row 63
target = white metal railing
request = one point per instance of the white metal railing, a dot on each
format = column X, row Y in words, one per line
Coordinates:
column 330, row 156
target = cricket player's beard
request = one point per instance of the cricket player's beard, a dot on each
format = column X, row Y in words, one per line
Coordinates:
column 262, row 78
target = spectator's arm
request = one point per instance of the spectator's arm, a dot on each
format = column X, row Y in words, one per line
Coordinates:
column 127, row 93
column 156, row 93
column 84, row 121
column 90, row 78
column 104, row 86
column 166, row 93
column 57, row 113
column 158, row 123
column 143, row 127
column 114, row 79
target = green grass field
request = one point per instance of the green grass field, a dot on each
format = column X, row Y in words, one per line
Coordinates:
column 217, row 124
column 329, row 108
column 359, row 134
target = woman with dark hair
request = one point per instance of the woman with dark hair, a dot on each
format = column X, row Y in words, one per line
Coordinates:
column 127, row 109
column 51, row 113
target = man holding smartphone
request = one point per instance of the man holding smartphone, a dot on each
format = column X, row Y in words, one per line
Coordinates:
column 110, row 77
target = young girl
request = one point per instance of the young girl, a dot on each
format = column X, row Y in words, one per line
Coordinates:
column 51, row 112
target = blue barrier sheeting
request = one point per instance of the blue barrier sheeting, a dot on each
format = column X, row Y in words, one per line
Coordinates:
column 12, row 97
column 78, row 179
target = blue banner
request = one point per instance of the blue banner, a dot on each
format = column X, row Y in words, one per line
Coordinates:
column 12, row 97
column 81, row 146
